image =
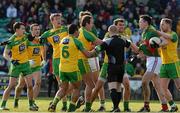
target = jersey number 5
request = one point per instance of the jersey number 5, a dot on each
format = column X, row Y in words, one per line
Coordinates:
column 65, row 52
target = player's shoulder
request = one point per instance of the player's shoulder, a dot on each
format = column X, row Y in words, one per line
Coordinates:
column 151, row 29
column 173, row 33
column 76, row 40
column 46, row 34
column 12, row 38
column 64, row 28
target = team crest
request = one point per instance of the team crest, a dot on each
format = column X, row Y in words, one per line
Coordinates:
column 22, row 47
column 56, row 39
column 36, row 50
column 65, row 41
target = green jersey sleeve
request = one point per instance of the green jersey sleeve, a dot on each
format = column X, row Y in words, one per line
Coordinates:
column 94, row 31
column 89, row 36
column 174, row 37
column 11, row 40
column 78, row 44
column 44, row 36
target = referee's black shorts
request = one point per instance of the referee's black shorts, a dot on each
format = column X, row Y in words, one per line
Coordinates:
column 115, row 73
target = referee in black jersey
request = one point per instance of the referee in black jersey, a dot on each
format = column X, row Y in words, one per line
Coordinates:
column 114, row 47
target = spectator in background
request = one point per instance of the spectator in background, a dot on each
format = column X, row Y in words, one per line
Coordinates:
column 89, row 6
column 70, row 16
column 55, row 9
column 104, row 14
column 10, row 25
column 103, row 31
column 2, row 12
column 120, row 6
column 109, row 7
column 21, row 13
column 11, row 11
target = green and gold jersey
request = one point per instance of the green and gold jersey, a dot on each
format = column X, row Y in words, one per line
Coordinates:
column 87, row 38
column 94, row 31
column 70, row 47
column 145, row 46
column 35, row 53
column 54, row 37
column 18, row 48
column 168, row 52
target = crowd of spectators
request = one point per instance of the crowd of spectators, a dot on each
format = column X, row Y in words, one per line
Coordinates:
column 104, row 12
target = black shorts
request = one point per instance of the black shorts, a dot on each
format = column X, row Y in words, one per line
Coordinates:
column 115, row 73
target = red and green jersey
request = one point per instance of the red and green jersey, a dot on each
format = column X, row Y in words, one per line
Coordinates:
column 54, row 37
column 145, row 46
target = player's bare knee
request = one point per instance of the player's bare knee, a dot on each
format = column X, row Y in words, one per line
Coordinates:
column 90, row 85
column 144, row 83
column 29, row 87
column 97, row 88
column 38, row 84
column 10, row 87
column 19, row 87
column 126, row 85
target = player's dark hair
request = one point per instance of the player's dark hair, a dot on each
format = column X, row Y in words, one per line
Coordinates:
column 146, row 18
column 17, row 25
column 72, row 28
column 85, row 19
column 168, row 21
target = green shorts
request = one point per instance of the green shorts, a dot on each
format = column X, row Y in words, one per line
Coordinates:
column 35, row 69
column 21, row 69
column 56, row 63
column 103, row 72
column 84, row 66
column 70, row 76
column 171, row 70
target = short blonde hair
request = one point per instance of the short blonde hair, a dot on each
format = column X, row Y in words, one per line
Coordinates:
column 116, row 21
column 83, row 13
column 54, row 15
column 32, row 25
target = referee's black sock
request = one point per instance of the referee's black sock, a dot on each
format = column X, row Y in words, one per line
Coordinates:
column 114, row 97
column 119, row 97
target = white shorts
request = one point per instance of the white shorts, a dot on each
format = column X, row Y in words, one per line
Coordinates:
column 153, row 64
column 94, row 64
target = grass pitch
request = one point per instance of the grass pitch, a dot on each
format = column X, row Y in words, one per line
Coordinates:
column 43, row 104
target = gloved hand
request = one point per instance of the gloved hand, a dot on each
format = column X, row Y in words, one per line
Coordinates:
column 15, row 62
column 154, row 45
